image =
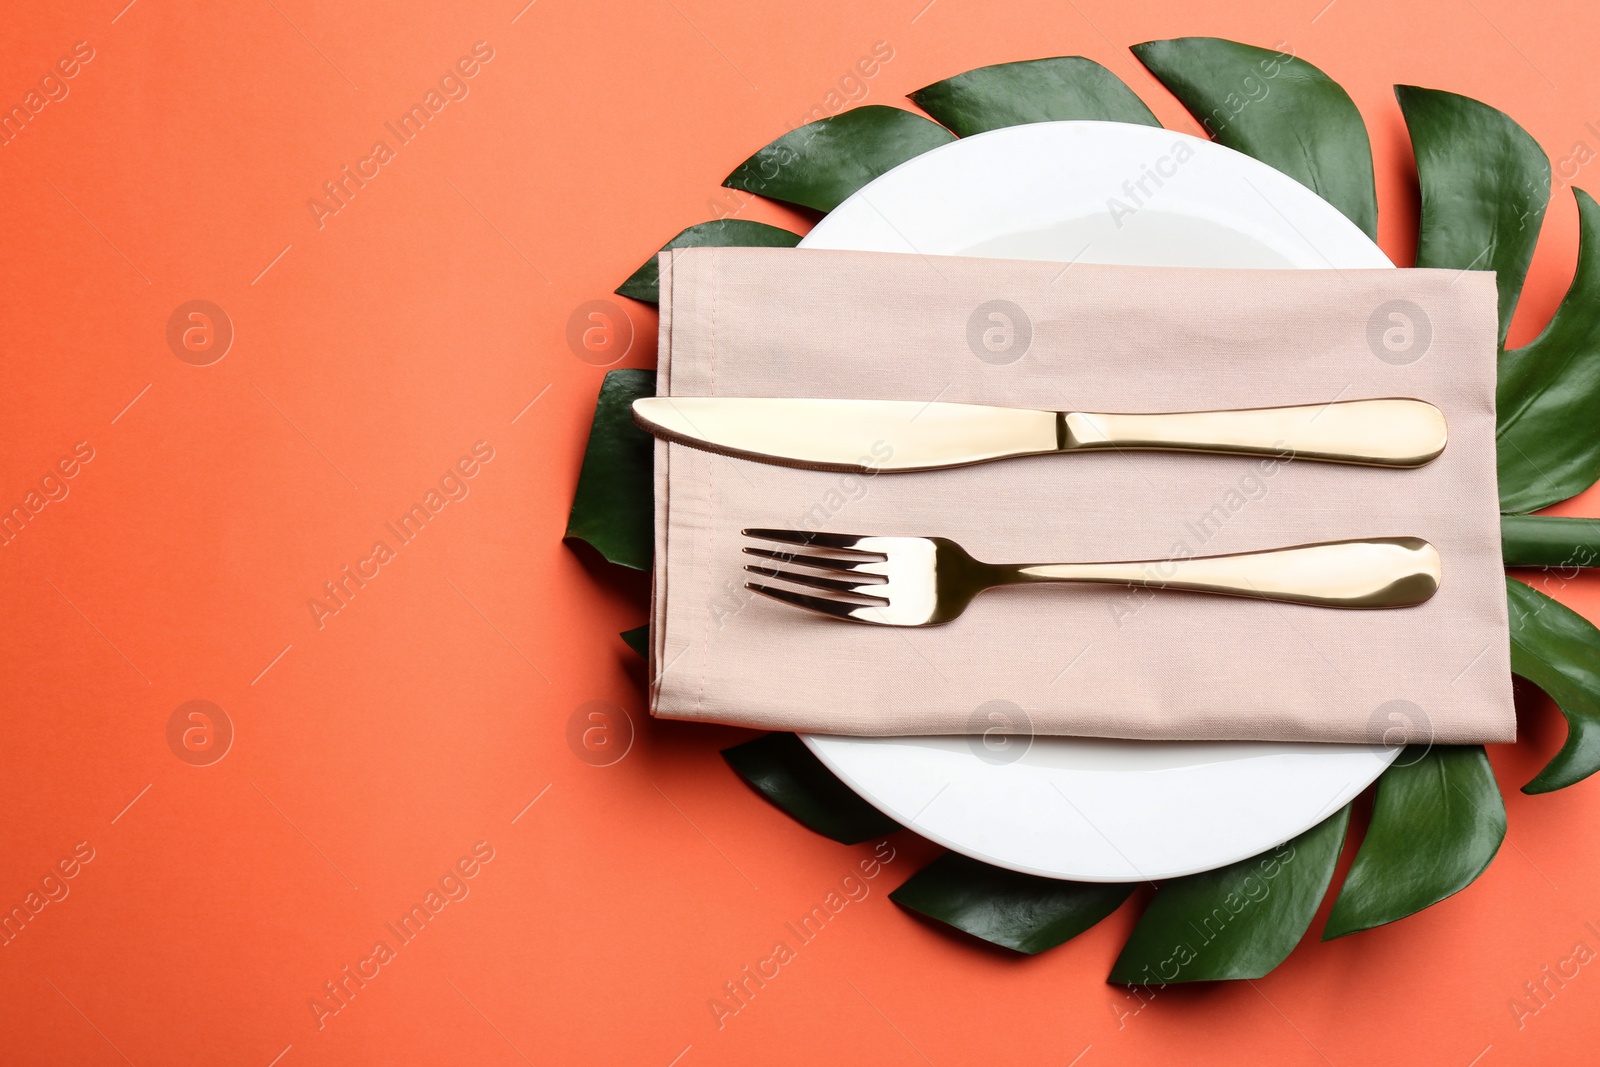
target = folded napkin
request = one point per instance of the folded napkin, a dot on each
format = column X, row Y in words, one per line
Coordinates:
column 1102, row 661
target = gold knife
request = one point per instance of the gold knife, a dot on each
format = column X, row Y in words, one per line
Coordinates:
column 909, row 435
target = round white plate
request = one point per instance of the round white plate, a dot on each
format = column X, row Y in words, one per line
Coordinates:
column 1089, row 809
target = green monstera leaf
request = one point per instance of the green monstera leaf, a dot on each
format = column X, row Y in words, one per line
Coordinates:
column 1437, row 822
column 1017, row 911
column 638, row 639
column 1438, row 816
column 616, row 492
column 1485, row 184
column 823, row 162
column 1239, row 921
column 1549, row 541
column 644, row 283
column 781, row 768
column 1277, row 108
column 1548, row 437
column 1558, row 650
column 1037, row 90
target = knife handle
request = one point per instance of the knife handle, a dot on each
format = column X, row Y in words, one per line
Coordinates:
column 1391, row 432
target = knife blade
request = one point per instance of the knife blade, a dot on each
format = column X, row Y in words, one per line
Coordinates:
column 908, row 435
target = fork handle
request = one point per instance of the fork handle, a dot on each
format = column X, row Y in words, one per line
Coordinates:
column 1384, row 572
column 1387, row 432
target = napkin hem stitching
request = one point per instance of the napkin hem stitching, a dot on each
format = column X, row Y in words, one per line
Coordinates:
column 711, row 496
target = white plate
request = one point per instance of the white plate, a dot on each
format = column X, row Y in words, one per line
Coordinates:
column 1100, row 192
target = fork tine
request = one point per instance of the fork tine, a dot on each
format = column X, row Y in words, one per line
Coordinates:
column 811, row 538
column 817, row 581
column 835, row 608
column 827, row 563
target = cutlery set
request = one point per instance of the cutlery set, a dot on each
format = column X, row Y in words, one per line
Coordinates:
column 925, row 581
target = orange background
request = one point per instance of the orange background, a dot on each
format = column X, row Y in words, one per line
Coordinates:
column 371, row 755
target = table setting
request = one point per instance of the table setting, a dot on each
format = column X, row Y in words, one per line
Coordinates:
column 1101, row 503
column 806, row 519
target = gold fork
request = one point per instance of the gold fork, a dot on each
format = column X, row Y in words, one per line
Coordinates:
column 924, row 581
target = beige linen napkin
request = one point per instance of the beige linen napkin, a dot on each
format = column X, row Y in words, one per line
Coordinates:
column 1103, row 661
